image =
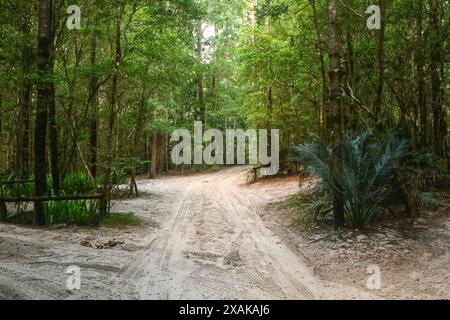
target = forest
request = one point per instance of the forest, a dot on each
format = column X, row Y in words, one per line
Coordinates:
column 91, row 91
column 129, row 160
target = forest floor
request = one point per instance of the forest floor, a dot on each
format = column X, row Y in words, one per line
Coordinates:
column 211, row 236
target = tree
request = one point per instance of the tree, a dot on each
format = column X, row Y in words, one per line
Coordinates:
column 419, row 61
column 320, row 43
column 439, row 125
column 381, row 60
column 335, row 116
column 200, row 111
column 53, row 130
column 25, row 97
column 93, row 104
column 44, row 90
column 108, row 96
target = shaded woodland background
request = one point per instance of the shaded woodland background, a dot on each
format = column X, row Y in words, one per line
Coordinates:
column 103, row 100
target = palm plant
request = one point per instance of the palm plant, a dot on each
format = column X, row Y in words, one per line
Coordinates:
column 368, row 166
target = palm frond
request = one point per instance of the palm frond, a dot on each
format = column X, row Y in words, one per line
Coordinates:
column 368, row 166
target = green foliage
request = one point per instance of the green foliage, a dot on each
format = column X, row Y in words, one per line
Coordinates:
column 423, row 169
column 122, row 220
column 368, row 167
column 77, row 183
column 5, row 192
column 313, row 206
column 119, row 177
column 264, row 64
column 76, row 212
column 429, row 198
column 17, row 190
column 273, row 10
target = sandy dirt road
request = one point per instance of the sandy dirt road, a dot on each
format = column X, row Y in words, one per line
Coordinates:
column 203, row 239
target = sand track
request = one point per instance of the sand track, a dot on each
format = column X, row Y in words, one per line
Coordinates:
column 210, row 244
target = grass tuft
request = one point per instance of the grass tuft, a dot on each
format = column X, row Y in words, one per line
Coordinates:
column 122, row 220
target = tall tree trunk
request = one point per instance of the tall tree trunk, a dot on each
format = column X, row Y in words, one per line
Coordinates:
column 53, row 134
column 351, row 112
column 25, row 102
column 320, row 42
column 269, row 106
column 52, row 115
column 436, row 80
column 136, row 139
column 215, row 92
column 380, row 57
column 421, row 97
column 201, row 113
column 444, row 117
column 154, row 155
column 93, row 96
column 112, row 106
column 43, row 93
column 1, row 102
column 335, row 110
column 1, row 118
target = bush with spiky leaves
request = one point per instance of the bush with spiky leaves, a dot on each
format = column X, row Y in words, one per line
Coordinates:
column 368, row 167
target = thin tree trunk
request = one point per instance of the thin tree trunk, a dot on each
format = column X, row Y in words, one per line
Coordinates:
column 436, row 80
column 1, row 113
column 352, row 120
column 137, row 135
column 421, row 95
column 112, row 106
column 93, row 132
column 269, row 105
column 167, row 152
column 380, row 57
column 444, row 117
column 1, row 102
column 43, row 93
column 54, row 159
column 215, row 92
column 335, row 110
column 154, row 155
column 323, row 106
column 201, row 113
column 26, row 104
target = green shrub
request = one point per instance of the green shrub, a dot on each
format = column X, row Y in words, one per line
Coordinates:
column 119, row 177
column 77, row 183
column 5, row 192
column 28, row 189
column 429, row 198
column 368, row 167
column 77, row 212
column 122, row 220
column 312, row 206
column 16, row 190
